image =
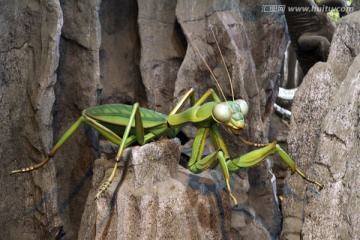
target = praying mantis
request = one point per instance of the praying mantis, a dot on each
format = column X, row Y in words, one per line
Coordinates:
column 126, row 125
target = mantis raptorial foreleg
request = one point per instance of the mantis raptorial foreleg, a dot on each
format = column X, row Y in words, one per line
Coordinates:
column 197, row 164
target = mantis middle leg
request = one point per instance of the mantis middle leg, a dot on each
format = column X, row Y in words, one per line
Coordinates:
column 255, row 157
column 266, row 150
column 189, row 95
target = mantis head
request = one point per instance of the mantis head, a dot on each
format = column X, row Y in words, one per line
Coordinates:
column 231, row 114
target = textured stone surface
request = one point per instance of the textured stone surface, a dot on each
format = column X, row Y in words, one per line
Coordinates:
column 324, row 140
column 161, row 51
column 120, row 53
column 356, row 5
column 29, row 56
column 76, row 88
column 158, row 200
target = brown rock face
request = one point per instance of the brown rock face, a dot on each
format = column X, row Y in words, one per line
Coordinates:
column 60, row 57
column 324, row 138
column 157, row 199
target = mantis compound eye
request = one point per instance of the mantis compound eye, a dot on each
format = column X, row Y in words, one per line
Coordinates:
column 222, row 113
column 244, row 108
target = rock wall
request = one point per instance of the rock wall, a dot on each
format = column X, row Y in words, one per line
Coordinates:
column 30, row 37
column 59, row 57
column 356, row 5
column 324, row 140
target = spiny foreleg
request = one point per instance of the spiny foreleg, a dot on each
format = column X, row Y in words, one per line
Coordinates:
column 198, row 164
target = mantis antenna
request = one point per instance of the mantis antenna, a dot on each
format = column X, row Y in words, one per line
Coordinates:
column 223, row 60
column 208, row 67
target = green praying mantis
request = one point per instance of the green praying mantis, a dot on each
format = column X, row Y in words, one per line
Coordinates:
column 126, row 125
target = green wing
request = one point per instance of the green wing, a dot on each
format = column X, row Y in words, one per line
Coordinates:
column 118, row 114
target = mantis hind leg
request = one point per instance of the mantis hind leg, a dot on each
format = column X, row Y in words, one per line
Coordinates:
column 53, row 151
column 126, row 141
column 122, row 145
column 83, row 119
column 113, row 137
